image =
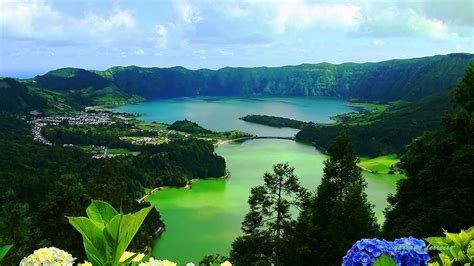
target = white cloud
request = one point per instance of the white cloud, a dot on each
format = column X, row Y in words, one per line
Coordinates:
column 161, row 36
column 226, row 52
column 37, row 19
column 235, row 9
column 300, row 14
column 395, row 22
column 29, row 19
column 187, row 12
column 119, row 19
column 140, row 52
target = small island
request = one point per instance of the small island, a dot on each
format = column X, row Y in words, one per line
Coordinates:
column 276, row 121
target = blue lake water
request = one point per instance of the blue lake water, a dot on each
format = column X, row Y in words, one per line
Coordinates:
column 221, row 114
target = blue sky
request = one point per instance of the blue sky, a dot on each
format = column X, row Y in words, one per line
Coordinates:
column 40, row 35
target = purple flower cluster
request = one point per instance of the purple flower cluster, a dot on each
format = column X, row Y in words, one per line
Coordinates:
column 406, row 252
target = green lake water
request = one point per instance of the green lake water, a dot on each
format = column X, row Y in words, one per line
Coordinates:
column 206, row 219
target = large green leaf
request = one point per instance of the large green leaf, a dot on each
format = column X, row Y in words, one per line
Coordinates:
column 437, row 241
column 94, row 244
column 101, row 212
column 385, row 260
column 4, row 250
column 455, row 238
column 123, row 228
column 445, row 259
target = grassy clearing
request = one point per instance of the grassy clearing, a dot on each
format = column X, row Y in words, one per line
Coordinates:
column 118, row 151
column 372, row 107
column 380, row 164
column 151, row 126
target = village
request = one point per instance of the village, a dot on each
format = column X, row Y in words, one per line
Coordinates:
column 153, row 133
column 84, row 118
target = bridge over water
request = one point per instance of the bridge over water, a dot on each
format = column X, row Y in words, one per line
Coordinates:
column 255, row 137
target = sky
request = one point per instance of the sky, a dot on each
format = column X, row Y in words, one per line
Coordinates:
column 41, row 35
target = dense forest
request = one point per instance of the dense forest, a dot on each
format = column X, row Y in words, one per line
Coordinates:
column 408, row 79
column 35, row 181
column 14, row 97
column 386, row 132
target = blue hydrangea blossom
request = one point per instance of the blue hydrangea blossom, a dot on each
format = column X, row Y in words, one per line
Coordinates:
column 407, row 251
column 366, row 251
column 410, row 251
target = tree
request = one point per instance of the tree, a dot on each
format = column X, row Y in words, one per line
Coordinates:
column 338, row 215
column 437, row 193
column 269, row 218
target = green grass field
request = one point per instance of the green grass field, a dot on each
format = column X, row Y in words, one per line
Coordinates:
column 150, row 126
column 118, row 151
column 380, row 164
column 373, row 107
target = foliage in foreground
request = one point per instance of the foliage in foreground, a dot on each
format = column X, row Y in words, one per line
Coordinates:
column 48, row 256
column 4, row 251
column 107, row 233
column 454, row 248
column 402, row 251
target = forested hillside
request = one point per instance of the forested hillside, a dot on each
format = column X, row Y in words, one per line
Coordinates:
column 386, row 132
column 14, row 97
column 408, row 79
column 36, row 180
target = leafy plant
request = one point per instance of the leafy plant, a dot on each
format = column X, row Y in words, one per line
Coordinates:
column 4, row 250
column 385, row 260
column 455, row 248
column 107, row 233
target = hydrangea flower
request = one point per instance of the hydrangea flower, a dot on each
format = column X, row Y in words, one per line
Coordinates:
column 138, row 258
column 48, row 256
column 410, row 251
column 153, row 262
column 366, row 251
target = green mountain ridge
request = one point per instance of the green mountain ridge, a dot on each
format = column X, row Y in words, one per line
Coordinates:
column 398, row 79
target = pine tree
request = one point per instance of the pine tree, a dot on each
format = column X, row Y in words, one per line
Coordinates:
column 269, row 219
column 339, row 214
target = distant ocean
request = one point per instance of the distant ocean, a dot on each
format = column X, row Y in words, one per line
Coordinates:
column 22, row 74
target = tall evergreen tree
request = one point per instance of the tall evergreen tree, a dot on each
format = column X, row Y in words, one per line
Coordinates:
column 269, row 219
column 438, row 192
column 339, row 214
